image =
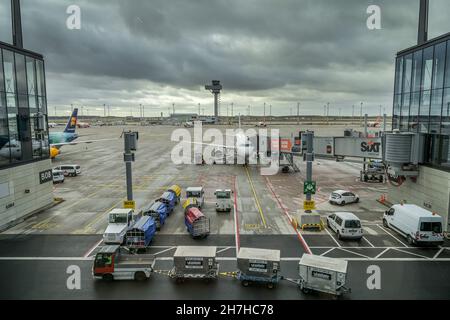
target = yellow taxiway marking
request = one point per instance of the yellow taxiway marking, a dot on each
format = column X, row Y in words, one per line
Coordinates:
column 256, row 198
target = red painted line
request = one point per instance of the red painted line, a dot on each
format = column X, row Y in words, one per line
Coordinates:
column 236, row 219
column 299, row 236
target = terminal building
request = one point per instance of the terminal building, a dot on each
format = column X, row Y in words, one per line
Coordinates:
column 25, row 165
column 422, row 105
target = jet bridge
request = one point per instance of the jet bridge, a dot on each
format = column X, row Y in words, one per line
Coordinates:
column 347, row 147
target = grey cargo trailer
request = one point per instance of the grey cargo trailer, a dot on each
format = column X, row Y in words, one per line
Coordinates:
column 259, row 262
column 195, row 262
column 322, row 274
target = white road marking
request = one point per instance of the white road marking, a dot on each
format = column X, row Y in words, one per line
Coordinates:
column 414, row 254
column 370, row 231
column 159, row 252
column 356, row 253
column 87, row 254
column 368, row 242
column 328, row 251
column 383, row 252
column 222, row 250
column 438, row 253
column 335, row 241
column 218, row 258
column 384, row 229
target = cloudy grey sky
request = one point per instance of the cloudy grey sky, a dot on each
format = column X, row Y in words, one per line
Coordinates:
column 159, row 52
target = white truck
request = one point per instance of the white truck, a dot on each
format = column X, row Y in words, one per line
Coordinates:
column 197, row 193
column 119, row 222
column 223, row 200
column 416, row 224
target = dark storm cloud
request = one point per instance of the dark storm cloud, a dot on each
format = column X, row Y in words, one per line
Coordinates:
column 260, row 49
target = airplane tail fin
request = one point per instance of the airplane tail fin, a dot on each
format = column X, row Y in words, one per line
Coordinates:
column 72, row 123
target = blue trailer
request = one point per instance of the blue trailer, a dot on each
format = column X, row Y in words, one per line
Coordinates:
column 141, row 235
column 170, row 199
column 158, row 211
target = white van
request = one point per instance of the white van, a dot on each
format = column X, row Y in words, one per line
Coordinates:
column 69, row 169
column 416, row 224
column 346, row 225
column 58, row 176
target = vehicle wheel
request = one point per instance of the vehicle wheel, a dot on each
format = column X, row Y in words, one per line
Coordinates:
column 305, row 290
column 245, row 283
column 343, row 203
column 179, row 280
column 140, row 276
column 338, row 235
column 328, row 223
column 410, row 240
column 356, row 200
column 270, row 285
column 108, row 277
column 385, row 223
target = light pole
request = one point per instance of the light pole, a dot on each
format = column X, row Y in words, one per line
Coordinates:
column 360, row 113
column 199, row 109
column 232, row 111
column 264, row 113
column 298, row 112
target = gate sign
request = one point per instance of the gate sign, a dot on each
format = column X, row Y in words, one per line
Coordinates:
column 129, row 204
column 285, row 144
column 309, row 205
column 309, row 187
column 45, row 176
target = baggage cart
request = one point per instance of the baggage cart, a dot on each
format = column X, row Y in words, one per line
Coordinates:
column 194, row 262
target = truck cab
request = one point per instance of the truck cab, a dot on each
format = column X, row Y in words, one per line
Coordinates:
column 196, row 192
column 223, row 200
column 119, row 222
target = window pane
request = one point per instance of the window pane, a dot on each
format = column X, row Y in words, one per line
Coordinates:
column 21, row 75
column 427, row 68
column 40, row 77
column 424, row 112
column 417, row 69
column 398, row 75
column 414, row 111
column 445, row 130
column 396, row 112
column 447, row 71
column 439, row 66
column 404, row 112
column 14, row 144
column 8, row 67
column 407, row 65
column 435, row 111
column 2, row 82
column 31, row 76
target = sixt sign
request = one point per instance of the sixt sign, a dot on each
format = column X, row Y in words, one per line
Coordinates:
column 358, row 147
column 370, row 146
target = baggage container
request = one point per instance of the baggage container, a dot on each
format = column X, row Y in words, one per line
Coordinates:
column 190, row 203
column 141, row 235
column 176, row 190
column 197, row 223
column 169, row 198
column 263, row 263
column 158, row 211
column 195, row 262
column 322, row 274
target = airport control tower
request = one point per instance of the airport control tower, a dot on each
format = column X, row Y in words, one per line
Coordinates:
column 215, row 88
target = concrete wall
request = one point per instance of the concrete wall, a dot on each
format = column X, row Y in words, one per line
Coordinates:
column 15, row 203
column 431, row 191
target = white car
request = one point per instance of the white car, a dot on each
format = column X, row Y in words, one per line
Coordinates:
column 58, row 176
column 346, row 225
column 69, row 169
column 343, row 197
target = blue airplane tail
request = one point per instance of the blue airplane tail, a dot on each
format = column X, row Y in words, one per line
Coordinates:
column 72, row 123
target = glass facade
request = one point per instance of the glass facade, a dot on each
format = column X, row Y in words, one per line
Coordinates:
column 422, row 96
column 22, row 102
